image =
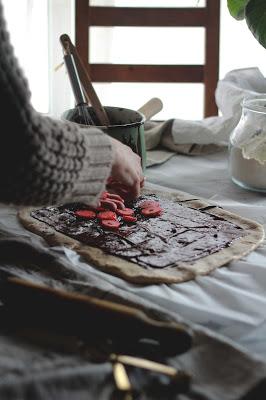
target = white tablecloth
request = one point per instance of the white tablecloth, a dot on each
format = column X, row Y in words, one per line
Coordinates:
column 232, row 300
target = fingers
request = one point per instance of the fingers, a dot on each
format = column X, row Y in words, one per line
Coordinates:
column 108, row 205
column 135, row 192
column 111, row 201
column 115, row 197
column 127, row 192
column 120, row 205
column 122, row 190
column 126, row 176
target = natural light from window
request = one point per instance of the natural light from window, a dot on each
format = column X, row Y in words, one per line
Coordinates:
column 27, row 22
column 28, row 25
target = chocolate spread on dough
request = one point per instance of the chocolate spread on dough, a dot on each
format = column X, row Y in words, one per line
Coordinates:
column 180, row 234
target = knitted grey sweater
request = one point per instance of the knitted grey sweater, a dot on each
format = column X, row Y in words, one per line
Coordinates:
column 43, row 160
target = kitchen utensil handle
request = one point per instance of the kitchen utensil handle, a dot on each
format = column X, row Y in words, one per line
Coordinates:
column 90, row 92
column 86, row 83
column 152, row 107
column 74, row 79
column 81, row 102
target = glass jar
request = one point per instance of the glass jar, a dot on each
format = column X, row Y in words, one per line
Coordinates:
column 247, row 147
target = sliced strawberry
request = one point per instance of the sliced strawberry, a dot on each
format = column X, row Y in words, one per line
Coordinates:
column 86, row 214
column 149, row 203
column 154, row 211
column 100, row 209
column 109, row 204
column 107, row 215
column 129, row 218
column 125, row 211
column 110, row 224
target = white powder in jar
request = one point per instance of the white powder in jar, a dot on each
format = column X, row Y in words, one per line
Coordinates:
column 247, row 172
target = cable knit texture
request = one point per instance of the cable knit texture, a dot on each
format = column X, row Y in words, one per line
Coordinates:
column 44, row 161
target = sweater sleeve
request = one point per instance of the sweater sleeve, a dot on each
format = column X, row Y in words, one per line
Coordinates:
column 44, row 161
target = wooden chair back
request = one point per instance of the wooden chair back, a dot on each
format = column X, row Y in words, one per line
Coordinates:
column 207, row 17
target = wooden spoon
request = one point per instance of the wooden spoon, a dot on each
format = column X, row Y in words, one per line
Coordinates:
column 152, row 107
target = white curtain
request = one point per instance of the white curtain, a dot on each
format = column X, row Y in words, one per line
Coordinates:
column 62, row 20
column 35, row 27
column 29, row 5
column 61, row 17
column 27, row 22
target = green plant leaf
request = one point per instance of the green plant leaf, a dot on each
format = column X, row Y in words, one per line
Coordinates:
column 256, row 19
column 237, row 8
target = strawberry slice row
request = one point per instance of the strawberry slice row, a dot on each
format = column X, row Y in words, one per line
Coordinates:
column 129, row 218
column 110, row 224
column 126, row 211
column 107, row 215
column 108, row 218
column 86, row 214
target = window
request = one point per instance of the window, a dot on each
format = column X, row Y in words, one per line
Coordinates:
column 39, row 52
column 27, row 21
column 38, row 48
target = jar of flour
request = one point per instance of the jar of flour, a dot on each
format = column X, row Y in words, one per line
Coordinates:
column 247, row 157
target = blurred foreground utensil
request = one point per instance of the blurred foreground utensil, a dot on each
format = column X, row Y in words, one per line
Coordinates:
column 85, row 79
column 86, row 322
column 144, row 364
column 121, row 377
column 124, row 325
column 81, row 103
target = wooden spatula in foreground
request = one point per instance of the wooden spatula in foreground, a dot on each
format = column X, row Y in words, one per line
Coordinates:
column 37, row 305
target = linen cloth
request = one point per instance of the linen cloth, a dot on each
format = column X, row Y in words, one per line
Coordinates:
column 209, row 134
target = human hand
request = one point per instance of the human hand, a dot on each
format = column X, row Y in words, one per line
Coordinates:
column 126, row 175
column 111, row 201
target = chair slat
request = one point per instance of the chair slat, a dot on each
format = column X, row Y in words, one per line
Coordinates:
column 207, row 17
column 146, row 73
column 133, row 16
column 211, row 69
